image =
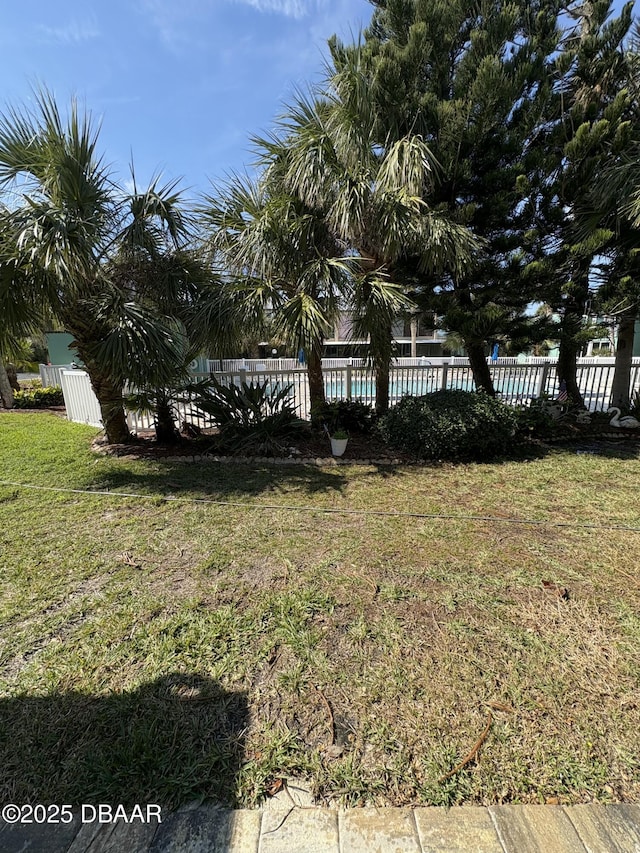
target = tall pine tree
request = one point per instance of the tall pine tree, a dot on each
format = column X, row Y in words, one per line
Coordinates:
column 472, row 79
column 586, row 124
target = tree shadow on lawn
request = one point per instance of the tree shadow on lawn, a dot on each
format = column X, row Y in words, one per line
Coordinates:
column 226, row 481
column 612, row 449
column 223, row 481
column 237, row 479
column 173, row 740
column 528, row 453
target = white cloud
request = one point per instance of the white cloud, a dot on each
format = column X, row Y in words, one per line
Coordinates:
column 174, row 21
column 183, row 26
column 289, row 8
column 74, row 32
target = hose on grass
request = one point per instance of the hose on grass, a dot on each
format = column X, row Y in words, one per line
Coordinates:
column 491, row 519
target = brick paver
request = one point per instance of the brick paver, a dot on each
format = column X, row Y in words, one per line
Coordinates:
column 37, row 838
column 378, row 831
column 536, row 829
column 288, row 829
column 113, row 838
column 458, row 830
column 607, row 829
column 201, row 830
column 299, row 831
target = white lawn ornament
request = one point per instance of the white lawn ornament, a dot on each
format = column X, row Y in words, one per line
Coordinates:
column 626, row 422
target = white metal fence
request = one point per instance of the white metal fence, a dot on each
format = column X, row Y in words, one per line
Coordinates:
column 79, row 398
column 233, row 365
column 515, row 382
column 50, row 374
column 82, row 405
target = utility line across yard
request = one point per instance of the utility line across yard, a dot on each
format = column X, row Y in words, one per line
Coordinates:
column 329, row 510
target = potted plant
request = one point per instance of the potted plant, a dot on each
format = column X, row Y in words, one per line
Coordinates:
column 339, row 441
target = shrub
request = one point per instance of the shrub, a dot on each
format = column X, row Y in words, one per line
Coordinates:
column 30, row 384
column 451, row 425
column 163, row 405
column 352, row 416
column 252, row 418
column 38, row 398
column 535, row 421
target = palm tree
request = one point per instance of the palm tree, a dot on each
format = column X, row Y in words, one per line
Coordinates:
column 20, row 312
column 370, row 189
column 283, row 265
column 84, row 249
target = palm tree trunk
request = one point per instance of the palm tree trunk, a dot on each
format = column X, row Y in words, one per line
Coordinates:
column 620, row 395
column 6, row 391
column 107, row 390
column 479, row 367
column 383, row 370
column 109, row 396
column 316, row 380
column 166, row 432
column 12, row 376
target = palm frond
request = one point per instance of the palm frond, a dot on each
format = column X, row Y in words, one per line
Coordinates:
column 134, row 332
column 157, row 220
column 407, row 164
column 301, row 321
column 376, row 303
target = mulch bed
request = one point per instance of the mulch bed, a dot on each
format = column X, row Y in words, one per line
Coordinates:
column 309, row 448
column 315, row 448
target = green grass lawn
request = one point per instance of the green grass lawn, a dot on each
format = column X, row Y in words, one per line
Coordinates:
column 163, row 651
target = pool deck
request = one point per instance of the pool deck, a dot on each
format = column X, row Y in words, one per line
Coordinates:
column 302, row 829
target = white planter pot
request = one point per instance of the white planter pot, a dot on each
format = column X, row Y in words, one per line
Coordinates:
column 338, row 446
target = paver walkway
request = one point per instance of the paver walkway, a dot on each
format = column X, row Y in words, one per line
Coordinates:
column 467, row 829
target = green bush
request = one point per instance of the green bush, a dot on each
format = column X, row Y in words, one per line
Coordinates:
column 352, row 416
column 30, row 384
column 252, row 418
column 534, row 421
column 451, row 425
column 38, row 398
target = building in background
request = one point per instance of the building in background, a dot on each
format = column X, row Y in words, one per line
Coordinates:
column 413, row 337
column 60, row 349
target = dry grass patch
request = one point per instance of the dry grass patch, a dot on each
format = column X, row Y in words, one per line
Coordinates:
column 164, row 651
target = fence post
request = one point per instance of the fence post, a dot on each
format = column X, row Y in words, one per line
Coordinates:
column 445, row 371
column 544, row 373
column 243, row 375
column 348, row 381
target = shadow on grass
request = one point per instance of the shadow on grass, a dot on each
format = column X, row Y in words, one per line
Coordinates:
column 236, row 479
column 526, row 453
column 225, row 480
column 610, row 449
column 171, row 741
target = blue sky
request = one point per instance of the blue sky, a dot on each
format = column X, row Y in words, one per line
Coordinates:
column 179, row 85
